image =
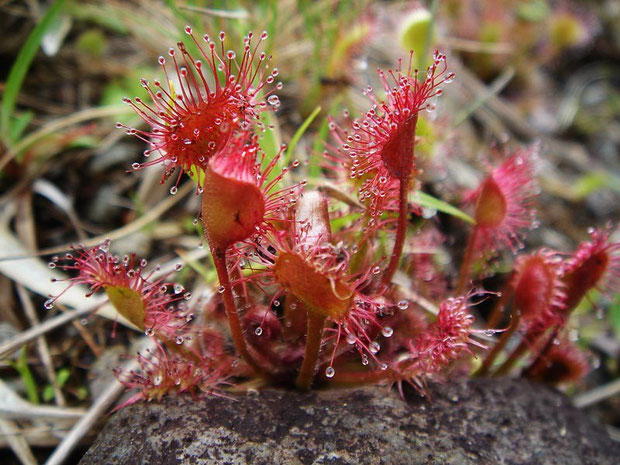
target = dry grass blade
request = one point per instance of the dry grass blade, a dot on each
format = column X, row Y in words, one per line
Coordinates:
column 229, row 14
column 61, row 123
column 14, row 407
column 36, row 436
column 492, row 91
column 18, row 443
column 475, row 46
column 58, row 198
column 129, row 228
column 597, row 394
column 83, row 426
column 24, row 337
column 33, row 274
column 42, row 348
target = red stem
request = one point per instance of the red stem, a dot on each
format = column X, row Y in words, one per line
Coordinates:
column 467, row 261
column 488, row 361
column 219, row 260
column 401, row 231
column 541, row 358
column 314, row 337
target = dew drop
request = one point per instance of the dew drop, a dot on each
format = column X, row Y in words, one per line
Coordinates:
column 376, row 269
column 387, row 331
column 178, row 288
column 258, row 331
column 173, row 190
column 221, row 289
column 179, row 340
column 351, row 338
column 49, row 304
column 374, row 347
column 149, row 332
column 330, row 372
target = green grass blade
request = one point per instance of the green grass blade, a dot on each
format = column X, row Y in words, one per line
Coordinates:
column 298, row 135
column 428, row 201
column 21, row 366
column 316, row 156
column 21, row 66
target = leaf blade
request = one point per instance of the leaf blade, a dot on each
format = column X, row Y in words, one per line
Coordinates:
column 20, row 68
column 428, row 201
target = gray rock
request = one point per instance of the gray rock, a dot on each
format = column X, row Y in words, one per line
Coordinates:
column 481, row 421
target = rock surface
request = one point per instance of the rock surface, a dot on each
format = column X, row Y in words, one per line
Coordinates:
column 503, row 421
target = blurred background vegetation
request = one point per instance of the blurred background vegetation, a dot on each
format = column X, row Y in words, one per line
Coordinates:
column 526, row 71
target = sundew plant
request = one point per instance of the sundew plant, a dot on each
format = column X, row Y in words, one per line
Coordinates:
column 336, row 283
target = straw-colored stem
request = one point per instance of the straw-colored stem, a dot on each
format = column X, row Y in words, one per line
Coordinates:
column 314, row 337
column 513, row 358
column 363, row 377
